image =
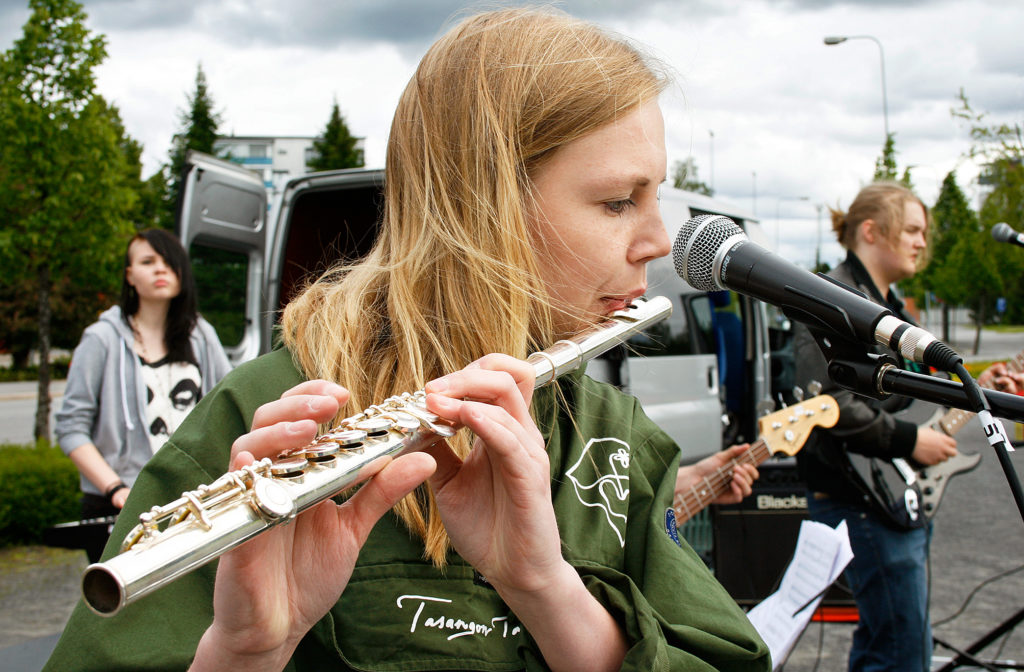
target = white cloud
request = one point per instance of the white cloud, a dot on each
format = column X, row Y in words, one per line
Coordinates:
column 806, row 118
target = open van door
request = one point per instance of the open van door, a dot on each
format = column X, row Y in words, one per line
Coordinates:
column 222, row 222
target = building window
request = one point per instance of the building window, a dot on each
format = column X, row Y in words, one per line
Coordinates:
column 257, row 151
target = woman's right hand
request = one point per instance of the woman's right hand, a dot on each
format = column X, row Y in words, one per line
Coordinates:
column 270, row 591
column 933, row 447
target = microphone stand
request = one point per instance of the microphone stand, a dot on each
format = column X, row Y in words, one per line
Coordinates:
column 878, row 377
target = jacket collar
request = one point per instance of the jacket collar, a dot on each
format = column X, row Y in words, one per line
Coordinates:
column 863, row 279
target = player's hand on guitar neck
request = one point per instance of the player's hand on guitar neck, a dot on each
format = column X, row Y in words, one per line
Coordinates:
column 933, row 447
column 1000, row 377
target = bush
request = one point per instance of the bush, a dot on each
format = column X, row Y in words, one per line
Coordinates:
column 58, row 371
column 40, row 489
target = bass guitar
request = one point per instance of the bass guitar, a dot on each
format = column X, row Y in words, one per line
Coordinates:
column 784, row 431
column 909, row 496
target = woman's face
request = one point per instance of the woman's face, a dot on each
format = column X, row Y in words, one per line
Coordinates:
column 596, row 223
column 149, row 274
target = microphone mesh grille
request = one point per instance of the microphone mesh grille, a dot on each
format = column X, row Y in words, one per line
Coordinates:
column 696, row 246
column 1002, row 232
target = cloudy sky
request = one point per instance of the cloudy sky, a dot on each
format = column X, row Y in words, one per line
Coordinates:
column 778, row 123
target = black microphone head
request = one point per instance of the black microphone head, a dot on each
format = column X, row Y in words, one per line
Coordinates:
column 697, row 245
column 1003, row 232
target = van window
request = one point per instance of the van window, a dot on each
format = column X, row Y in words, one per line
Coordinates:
column 687, row 331
column 220, row 277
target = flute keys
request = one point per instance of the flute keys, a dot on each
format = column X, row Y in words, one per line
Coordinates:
column 272, row 499
column 322, row 451
column 291, row 467
column 375, row 427
column 346, row 438
column 405, row 422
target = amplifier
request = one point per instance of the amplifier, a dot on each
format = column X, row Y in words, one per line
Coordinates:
column 754, row 540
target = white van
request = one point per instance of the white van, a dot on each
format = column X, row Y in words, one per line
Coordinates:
column 704, row 375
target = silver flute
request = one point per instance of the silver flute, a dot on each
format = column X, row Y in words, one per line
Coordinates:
column 172, row 540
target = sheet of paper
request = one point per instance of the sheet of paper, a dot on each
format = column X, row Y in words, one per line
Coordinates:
column 821, row 555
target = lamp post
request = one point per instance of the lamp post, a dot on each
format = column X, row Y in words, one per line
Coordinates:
column 817, row 250
column 837, row 39
column 711, row 134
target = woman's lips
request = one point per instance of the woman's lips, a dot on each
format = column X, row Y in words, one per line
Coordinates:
column 615, row 303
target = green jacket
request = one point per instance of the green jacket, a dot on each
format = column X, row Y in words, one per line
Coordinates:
column 613, row 475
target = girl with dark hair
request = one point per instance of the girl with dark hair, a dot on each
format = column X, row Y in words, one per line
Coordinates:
column 136, row 374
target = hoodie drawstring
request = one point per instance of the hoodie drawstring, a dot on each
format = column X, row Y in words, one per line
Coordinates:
column 124, row 388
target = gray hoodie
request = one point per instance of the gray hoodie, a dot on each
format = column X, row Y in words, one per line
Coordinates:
column 105, row 398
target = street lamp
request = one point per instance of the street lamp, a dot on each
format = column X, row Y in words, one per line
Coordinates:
column 817, row 250
column 711, row 134
column 837, row 39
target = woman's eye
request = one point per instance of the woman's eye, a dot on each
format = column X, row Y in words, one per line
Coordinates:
column 619, row 207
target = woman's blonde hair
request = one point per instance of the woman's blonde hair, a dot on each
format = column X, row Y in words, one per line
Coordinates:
column 453, row 275
column 882, row 202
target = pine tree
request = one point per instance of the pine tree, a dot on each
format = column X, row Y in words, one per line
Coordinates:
column 198, row 132
column 952, row 220
column 338, row 147
column 684, row 176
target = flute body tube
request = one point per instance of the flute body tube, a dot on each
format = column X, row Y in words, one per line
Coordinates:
column 172, row 540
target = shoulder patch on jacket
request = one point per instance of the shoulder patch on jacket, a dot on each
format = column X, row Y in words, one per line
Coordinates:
column 670, row 526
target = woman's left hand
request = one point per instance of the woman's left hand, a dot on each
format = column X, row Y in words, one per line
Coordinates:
column 496, row 503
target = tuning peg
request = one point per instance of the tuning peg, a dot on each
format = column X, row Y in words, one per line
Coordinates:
column 814, row 387
column 798, row 393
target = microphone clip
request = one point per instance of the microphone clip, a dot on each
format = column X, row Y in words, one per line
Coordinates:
column 851, row 367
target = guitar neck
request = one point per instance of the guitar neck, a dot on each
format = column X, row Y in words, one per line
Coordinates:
column 689, row 503
column 955, row 418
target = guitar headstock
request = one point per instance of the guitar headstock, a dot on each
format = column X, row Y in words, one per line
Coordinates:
column 787, row 430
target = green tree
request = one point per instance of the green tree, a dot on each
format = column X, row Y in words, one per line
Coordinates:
column 684, row 176
column 952, row 220
column 338, row 147
column 1000, row 148
column 885, row 165
column 198, row 132
column 67, row 173
column 1005, row 203
column 970, row 280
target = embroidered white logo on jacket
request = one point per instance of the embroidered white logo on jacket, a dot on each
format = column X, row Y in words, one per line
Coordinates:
column 454, row 625
column 606, row 491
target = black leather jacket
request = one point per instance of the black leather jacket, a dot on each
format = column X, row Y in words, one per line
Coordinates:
column 865, row 425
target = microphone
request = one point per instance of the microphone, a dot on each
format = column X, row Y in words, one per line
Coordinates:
column 1004, row 233
column 711, row 252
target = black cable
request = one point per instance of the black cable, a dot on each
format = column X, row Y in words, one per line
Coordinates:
column 821, row 643
column 970, row 596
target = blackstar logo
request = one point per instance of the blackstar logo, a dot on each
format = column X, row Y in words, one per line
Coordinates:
column 773, row 503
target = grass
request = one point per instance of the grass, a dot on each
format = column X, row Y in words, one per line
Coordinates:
column 1006, row 328
column 19, row 558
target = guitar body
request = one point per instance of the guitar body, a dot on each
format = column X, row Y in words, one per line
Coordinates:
column 909, row 497
column 933, row 480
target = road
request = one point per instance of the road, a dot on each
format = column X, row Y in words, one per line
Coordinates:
column 978, row 536
column 18, row 409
